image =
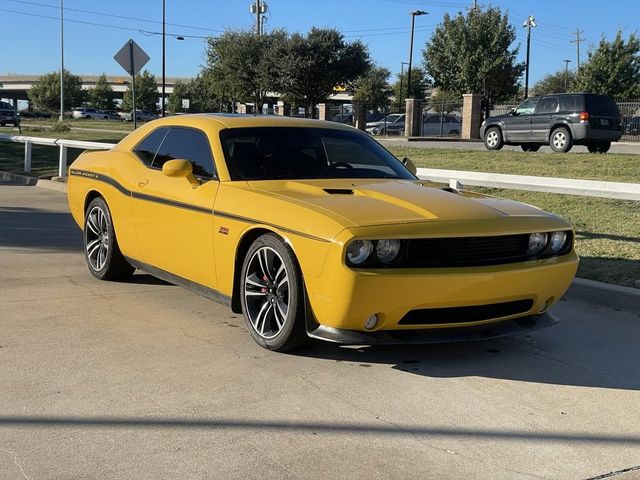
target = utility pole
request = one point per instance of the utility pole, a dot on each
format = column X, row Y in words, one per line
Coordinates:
column 164, row 79
column 528, row 23
column 578, row 41
column 566, row 74
column 259, row 9
column 61, row 60
column 402, row 64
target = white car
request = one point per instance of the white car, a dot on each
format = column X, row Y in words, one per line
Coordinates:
column 434, row 124
column 394, row 123
column 89, row 114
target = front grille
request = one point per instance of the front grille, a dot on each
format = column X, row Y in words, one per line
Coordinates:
column 467, row 251
column 475, row 313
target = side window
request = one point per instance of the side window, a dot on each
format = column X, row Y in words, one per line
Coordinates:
column 187, row 144
column 146, row 150
column 572, row 103
column 527, row 108
column 547, row 105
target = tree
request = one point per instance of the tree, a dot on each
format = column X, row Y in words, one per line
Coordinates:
column 473, row 54
column 312, row 65
column 146, row 94
column 241, row 64
column 102, row 95
column 445, row 102
column 373, row 88
column 554, row 83
column 613, row 68
column 45, row 92
column 180, row 91
column 419, row 84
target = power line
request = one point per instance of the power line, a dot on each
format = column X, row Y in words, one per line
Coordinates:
column 91, row 12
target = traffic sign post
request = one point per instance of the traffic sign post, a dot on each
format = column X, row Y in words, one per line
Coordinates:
column 132, row 58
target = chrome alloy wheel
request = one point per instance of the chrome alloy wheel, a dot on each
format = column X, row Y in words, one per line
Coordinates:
column 97, row 238
column 559, row 140
column 492, row 138
column 266, row 292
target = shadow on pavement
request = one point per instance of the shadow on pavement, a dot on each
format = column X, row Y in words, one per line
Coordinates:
column 32, row 228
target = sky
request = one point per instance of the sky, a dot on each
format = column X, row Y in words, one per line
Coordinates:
column 95, row 30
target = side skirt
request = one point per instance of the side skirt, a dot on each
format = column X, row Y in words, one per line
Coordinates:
column 194, row 287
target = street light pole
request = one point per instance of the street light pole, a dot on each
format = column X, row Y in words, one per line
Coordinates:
column 413, row 18
column 566, row 74
column 528, row 23
column 61, row 60
column 164, row 80
column 402, row 64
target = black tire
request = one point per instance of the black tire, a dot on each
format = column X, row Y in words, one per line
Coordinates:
column 560, row 140
column 138, row 119
column 101, row 250
column 266, row 294
column 592, row 147
column 604, row 147
column 2, row 124
column 529, row 147
column 493, row 139
column 87, row 117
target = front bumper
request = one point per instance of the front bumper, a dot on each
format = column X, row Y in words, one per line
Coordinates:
column 444, row 335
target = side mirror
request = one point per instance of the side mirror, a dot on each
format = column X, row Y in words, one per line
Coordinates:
column 180, row 168
column 512, row 111
column 406, row 161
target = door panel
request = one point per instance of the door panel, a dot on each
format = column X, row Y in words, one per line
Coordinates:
column 546, row 112
column 174, row 225
column 517, row 127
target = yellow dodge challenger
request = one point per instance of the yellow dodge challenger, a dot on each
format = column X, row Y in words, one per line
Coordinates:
column 312, row 229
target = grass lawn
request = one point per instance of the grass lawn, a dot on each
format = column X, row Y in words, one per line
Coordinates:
column 611, row 167
column 81, row 123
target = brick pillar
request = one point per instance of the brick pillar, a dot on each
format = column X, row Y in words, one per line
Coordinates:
column 360, row 116
column 283, row 109
column 413, row 117
column 324, row 111
column 471, row 115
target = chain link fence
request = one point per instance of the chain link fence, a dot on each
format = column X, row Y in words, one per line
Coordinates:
column 442, row 119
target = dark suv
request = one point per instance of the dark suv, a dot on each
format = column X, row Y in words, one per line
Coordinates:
column 560, row 120
column 8, row 115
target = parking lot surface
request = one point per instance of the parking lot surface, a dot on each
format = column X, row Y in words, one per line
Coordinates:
column 144, row 380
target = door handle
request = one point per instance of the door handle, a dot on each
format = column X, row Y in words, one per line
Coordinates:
column 142, row 182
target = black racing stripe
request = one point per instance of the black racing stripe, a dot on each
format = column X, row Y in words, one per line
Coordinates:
column 186, row 206
column 171, row 203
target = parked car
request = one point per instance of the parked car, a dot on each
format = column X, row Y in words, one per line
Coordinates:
column 141, row 116
column 111, row 115
column 560, row 120
column 313, row 229
column 8, row 115
column 88, row 113
column 392, row 124
column 632, row 126
column 435, row 124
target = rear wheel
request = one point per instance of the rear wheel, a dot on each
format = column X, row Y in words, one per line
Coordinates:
column 560, row 140
column 272, row 295
column 528, row 147
column 101, row 251
column 493, row 139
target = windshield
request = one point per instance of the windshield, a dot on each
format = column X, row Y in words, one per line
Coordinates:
column 5, row 106
column 269, row 153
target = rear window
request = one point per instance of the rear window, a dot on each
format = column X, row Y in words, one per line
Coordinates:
column 571, row 103
column 602, row 105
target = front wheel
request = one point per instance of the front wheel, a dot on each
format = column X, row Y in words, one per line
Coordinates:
column 560, row 140
column 272, row 293
column 101, row 250
column 493, row 139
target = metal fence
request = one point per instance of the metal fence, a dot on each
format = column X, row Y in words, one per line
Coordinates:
column 441, row 119
column 629, row 112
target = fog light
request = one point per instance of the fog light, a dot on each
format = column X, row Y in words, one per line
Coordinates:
column 371, row 322
column 547, row 304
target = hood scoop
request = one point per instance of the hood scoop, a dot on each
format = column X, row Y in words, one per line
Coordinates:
column 338, row 191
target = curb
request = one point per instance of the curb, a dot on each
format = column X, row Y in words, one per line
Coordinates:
column 52, row 185
column 17, row 178
column 605, row 294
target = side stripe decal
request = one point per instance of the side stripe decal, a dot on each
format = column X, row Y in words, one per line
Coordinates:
column 195, row 208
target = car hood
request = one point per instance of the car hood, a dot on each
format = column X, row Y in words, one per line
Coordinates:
column 369, row 202
column 497, row 118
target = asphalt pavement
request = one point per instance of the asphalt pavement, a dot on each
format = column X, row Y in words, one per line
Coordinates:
column 144, row 380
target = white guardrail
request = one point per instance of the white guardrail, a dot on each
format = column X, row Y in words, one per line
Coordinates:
column 455, row 178
column 53, row 142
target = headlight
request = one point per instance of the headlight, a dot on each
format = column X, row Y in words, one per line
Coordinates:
column 359, row 251
column 537, row 243
column 558, row 241
column 387, row 250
